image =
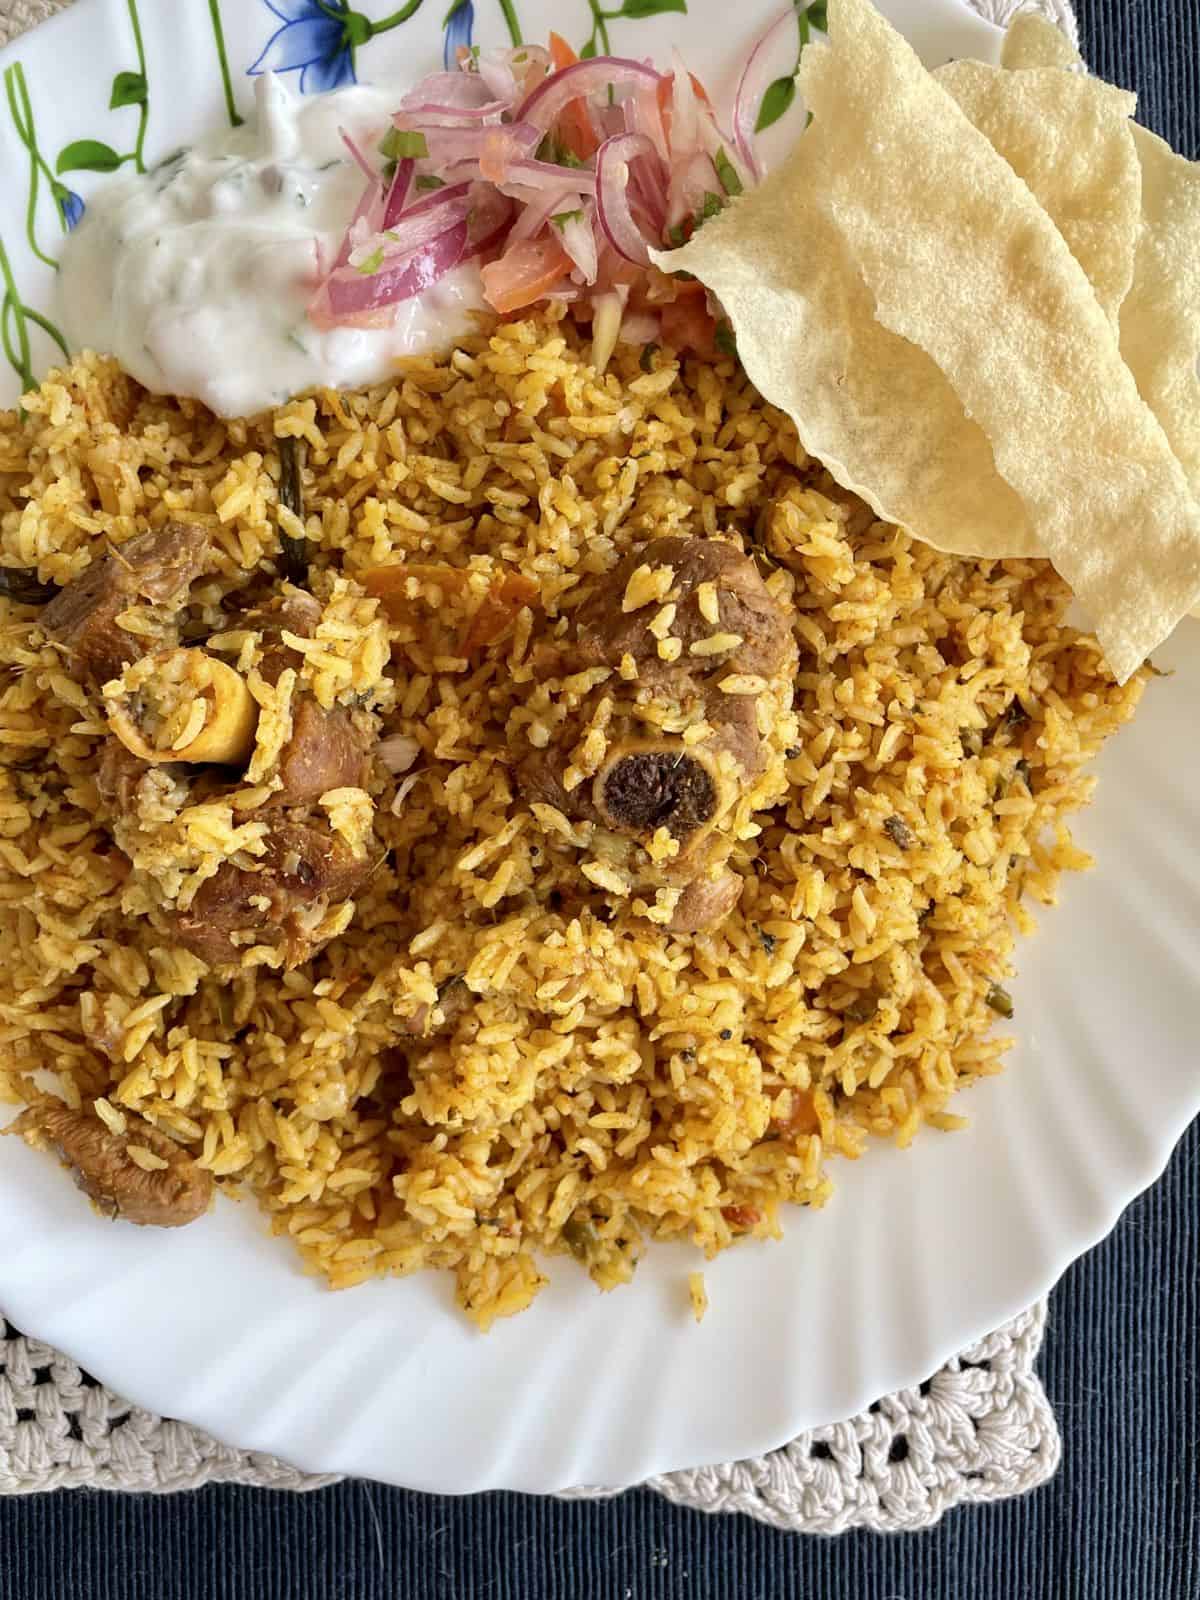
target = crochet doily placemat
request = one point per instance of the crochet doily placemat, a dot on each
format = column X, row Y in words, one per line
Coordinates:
column 979, row 1429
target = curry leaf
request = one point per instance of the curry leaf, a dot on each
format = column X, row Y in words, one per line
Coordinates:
column 775, row 102
column 87, row 155
column 128, row 89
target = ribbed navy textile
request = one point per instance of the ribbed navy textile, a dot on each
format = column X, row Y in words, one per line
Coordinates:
column 1121, row 1521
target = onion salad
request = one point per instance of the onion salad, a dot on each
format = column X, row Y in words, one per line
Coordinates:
column 557, row 176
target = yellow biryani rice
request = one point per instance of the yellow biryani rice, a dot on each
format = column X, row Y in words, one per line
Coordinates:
column 616, row 1082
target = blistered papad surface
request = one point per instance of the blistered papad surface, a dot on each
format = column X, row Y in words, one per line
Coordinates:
column 1070, row 139
column 899, row 290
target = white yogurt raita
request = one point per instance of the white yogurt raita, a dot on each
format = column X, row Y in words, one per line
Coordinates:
column 197, row 275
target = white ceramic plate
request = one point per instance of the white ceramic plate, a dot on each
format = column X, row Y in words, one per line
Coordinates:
column 917, row 1253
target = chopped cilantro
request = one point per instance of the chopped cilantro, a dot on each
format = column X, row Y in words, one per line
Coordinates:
column 561, row 218
column 724, row 340
column 372, row 264
column 727, row 173
column 401, row 144
column 713, row 206
column 999, row 999
column 428, row 181
column 646, row 359
column 554, row 151
column 675, row 234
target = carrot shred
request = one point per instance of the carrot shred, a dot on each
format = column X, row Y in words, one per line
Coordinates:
column 574, row 126
column 561, row 53
column 507, row 593
column 499, row 609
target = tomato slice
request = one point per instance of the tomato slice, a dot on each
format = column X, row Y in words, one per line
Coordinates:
column 524, row 273
column 687, row 325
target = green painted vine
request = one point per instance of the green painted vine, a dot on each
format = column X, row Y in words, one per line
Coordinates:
column 598, row 42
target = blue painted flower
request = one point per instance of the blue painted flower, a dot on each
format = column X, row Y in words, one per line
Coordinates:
column 317, row 40
column 70, row 206
column 460, row 19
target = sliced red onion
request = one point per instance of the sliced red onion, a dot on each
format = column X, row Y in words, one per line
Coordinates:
column 498, row 150
column 527, row 177
column 489, row 220
column 368, row 213
column 494, row 71
column 685, row 112
column 397, row 195
column 510, row 74
column 609, row 120
column 581, row 79
column 643, row 114
column 544, row 174
column 648, row 190
column 462, row 91
column 639, row 327
column 351, row 294
column 690, row 182
column 579, row 241
column 760, row 72
column 714, row 140
column 368, row 171
column 440, row 116
column 538, row 211
column 438, row 198
column 416, row 228
column 447, row 145
column 613, row 160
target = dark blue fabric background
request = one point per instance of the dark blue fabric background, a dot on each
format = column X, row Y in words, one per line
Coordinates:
column 1119, row 1522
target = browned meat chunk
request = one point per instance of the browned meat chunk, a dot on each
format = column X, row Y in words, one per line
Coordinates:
column 326, row 751
column 705, row 902
column 606, row 633
column 175, row 1191
column 157, row 567
column 118, row 774
column 721, row 622
column 296, row 612
column 278, row 901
